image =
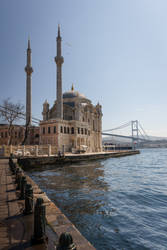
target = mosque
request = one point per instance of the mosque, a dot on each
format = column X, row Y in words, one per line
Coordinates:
column 73, row 123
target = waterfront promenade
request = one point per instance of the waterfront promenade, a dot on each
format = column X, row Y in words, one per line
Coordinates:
column 31, row 161
column 16, row 229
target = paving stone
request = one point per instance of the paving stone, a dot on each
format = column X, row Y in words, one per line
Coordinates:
column 16, row 229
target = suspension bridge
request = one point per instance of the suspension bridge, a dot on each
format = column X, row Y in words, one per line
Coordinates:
column 137, row 132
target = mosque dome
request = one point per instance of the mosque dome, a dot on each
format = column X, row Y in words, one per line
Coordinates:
column 72, row 94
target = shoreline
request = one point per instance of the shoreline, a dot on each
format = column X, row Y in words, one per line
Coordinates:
column 27, row 162
column 17, row 228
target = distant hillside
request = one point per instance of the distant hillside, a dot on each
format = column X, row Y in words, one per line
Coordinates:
column 119, row 139
column 155, row 141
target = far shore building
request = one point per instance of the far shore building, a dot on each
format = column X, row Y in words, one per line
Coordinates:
column 73, row 123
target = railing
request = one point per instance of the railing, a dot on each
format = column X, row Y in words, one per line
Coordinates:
column 28, row 150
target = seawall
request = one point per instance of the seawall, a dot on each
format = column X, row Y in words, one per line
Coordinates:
column 57, row 221
column 17, row 228
column 28, row 162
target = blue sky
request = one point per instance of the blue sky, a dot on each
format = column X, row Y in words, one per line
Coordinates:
column 115, row 52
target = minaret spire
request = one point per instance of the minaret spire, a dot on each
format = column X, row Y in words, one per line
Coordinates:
column 28, row 70
column 29, row 43
column 58, row 30
column 59, row 61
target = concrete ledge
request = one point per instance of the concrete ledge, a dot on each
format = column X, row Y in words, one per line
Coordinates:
column 28, row 162
column 57, row 221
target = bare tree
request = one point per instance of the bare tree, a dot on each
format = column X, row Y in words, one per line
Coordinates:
column 11, row 113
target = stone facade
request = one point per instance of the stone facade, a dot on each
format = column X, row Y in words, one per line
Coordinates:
column 17, row 134
column 73, row 123
column 79, row 130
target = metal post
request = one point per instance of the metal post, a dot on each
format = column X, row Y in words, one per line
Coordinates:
column 16, row 173
column 19, row 176
column 12, row 165
column 39, row 222
column 28, row 199
column 23, row 185
column 66, row 242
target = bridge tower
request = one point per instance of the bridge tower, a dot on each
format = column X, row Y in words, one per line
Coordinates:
column 135, row 133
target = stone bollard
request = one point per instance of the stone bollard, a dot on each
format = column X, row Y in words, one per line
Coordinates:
column 23, row 185
column 28, row 199
column 66, row 242
column 10, row 161
column 39, row 222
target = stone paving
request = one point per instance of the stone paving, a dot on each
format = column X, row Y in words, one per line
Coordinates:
column 16, row 229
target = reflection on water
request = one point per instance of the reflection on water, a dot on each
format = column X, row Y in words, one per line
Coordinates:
column 116, row 203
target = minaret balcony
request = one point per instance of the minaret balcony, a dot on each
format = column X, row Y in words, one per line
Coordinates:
column 59, row 60
column 28, row 69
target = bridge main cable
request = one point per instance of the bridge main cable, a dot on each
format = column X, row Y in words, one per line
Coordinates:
column 119, row 127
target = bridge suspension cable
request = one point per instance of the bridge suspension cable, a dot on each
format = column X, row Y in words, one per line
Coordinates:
column 141, row 135
column 137, row 129
column 145, row 134
column 119, row 127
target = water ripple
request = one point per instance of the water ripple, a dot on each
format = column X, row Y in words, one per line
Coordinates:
column 116, row 203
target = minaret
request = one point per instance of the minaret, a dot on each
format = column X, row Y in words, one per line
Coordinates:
column 28, row 70
column 59, row 61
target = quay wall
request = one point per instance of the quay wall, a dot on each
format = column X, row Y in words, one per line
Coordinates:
column 28, row 162
column 57, row 221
